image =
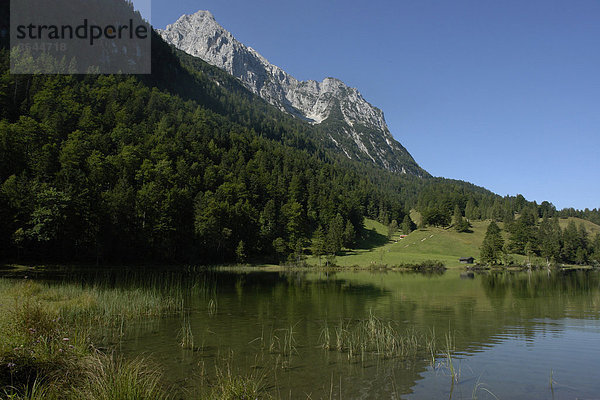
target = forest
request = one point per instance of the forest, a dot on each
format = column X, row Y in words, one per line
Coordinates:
column 187, row 166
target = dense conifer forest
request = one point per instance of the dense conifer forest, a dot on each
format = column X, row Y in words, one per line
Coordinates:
column 187, row 166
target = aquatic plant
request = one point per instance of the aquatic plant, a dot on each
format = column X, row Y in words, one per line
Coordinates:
column 283, row 341
column 449, row 349
column 230, row 384
column 212, row 307
column 481, row 387
column 45, row 345
column 93, row 304
column 109, row 377
column 186, row 336
column 373, row 336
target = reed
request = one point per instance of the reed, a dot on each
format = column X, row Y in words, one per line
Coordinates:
column 234, row 387
column 93, row 304
column 289, row 341
column 231, row 385
column 283, row 341
column 481, row 387
column 45, row 336
column 212, row 307
column 36, row 391
column 325, row 337
column 373, row 336
column 186, row 336
column 431, row 346
column 449, row 349
column 113, row 378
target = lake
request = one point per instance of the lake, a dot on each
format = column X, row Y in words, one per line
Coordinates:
column 502, row 335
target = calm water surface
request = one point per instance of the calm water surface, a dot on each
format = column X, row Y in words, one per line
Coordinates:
column 513, row 333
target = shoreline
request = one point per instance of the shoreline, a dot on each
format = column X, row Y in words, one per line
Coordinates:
column 436, row 267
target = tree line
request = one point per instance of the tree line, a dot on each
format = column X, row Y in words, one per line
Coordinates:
column 532, row 237
column 186, row 165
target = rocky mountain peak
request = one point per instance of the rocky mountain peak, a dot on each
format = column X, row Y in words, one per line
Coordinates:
column 355, row 127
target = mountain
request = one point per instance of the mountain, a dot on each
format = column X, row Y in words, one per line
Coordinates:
column 347, row 121
column 187, row 165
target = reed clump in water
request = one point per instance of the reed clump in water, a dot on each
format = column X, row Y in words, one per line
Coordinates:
column 375, row 337
column 232, row 386
column 186, row 335
column 448, row 350
column 230, row 382
column 280, row 341
column 93, row 304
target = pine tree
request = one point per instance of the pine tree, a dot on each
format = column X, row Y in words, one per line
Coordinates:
column 529, row 253
column 470, row 210
column 319, row 243
column 583, row 241
column 570, row 239
column 596, row 250
column 240, row 252
column 507, row 260
column 335, row 235
column 549, row 240
column 349, row 235
column 460, row 223
column 392, row 229
column 491, row 248
column 523, row 230
column 408, row 225
column 463, row 225
column 280, row 247
column 509, row 219
column 298, row 256
column 457, row 215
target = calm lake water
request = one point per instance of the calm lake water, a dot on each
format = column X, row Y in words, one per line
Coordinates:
column 513, row 333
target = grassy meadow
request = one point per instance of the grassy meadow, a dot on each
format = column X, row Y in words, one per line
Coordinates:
column 432, row 243
column 590, row 227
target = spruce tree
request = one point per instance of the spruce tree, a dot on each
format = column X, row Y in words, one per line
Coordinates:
column 470, row 210
column 349, row 235
column 392, row 228
column 570, row 242
column 408, row 225
column 529, row 252
column 596, row 250
column 491, row 248
column 549, row 240
column 319, row 243
column 240, row 252
column 457, row 215
column 335, row 235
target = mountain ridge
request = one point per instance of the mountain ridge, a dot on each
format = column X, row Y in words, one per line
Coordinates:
column 363, row 133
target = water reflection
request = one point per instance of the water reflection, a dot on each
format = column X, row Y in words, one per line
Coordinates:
column 509, row 329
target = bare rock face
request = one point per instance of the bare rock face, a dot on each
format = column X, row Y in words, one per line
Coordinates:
column 355, row 127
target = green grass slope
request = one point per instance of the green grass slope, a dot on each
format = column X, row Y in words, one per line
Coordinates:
column 445, row 245
column 589, row 226
column 431, row 243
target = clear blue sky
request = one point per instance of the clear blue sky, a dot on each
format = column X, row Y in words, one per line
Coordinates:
column 503, row 94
